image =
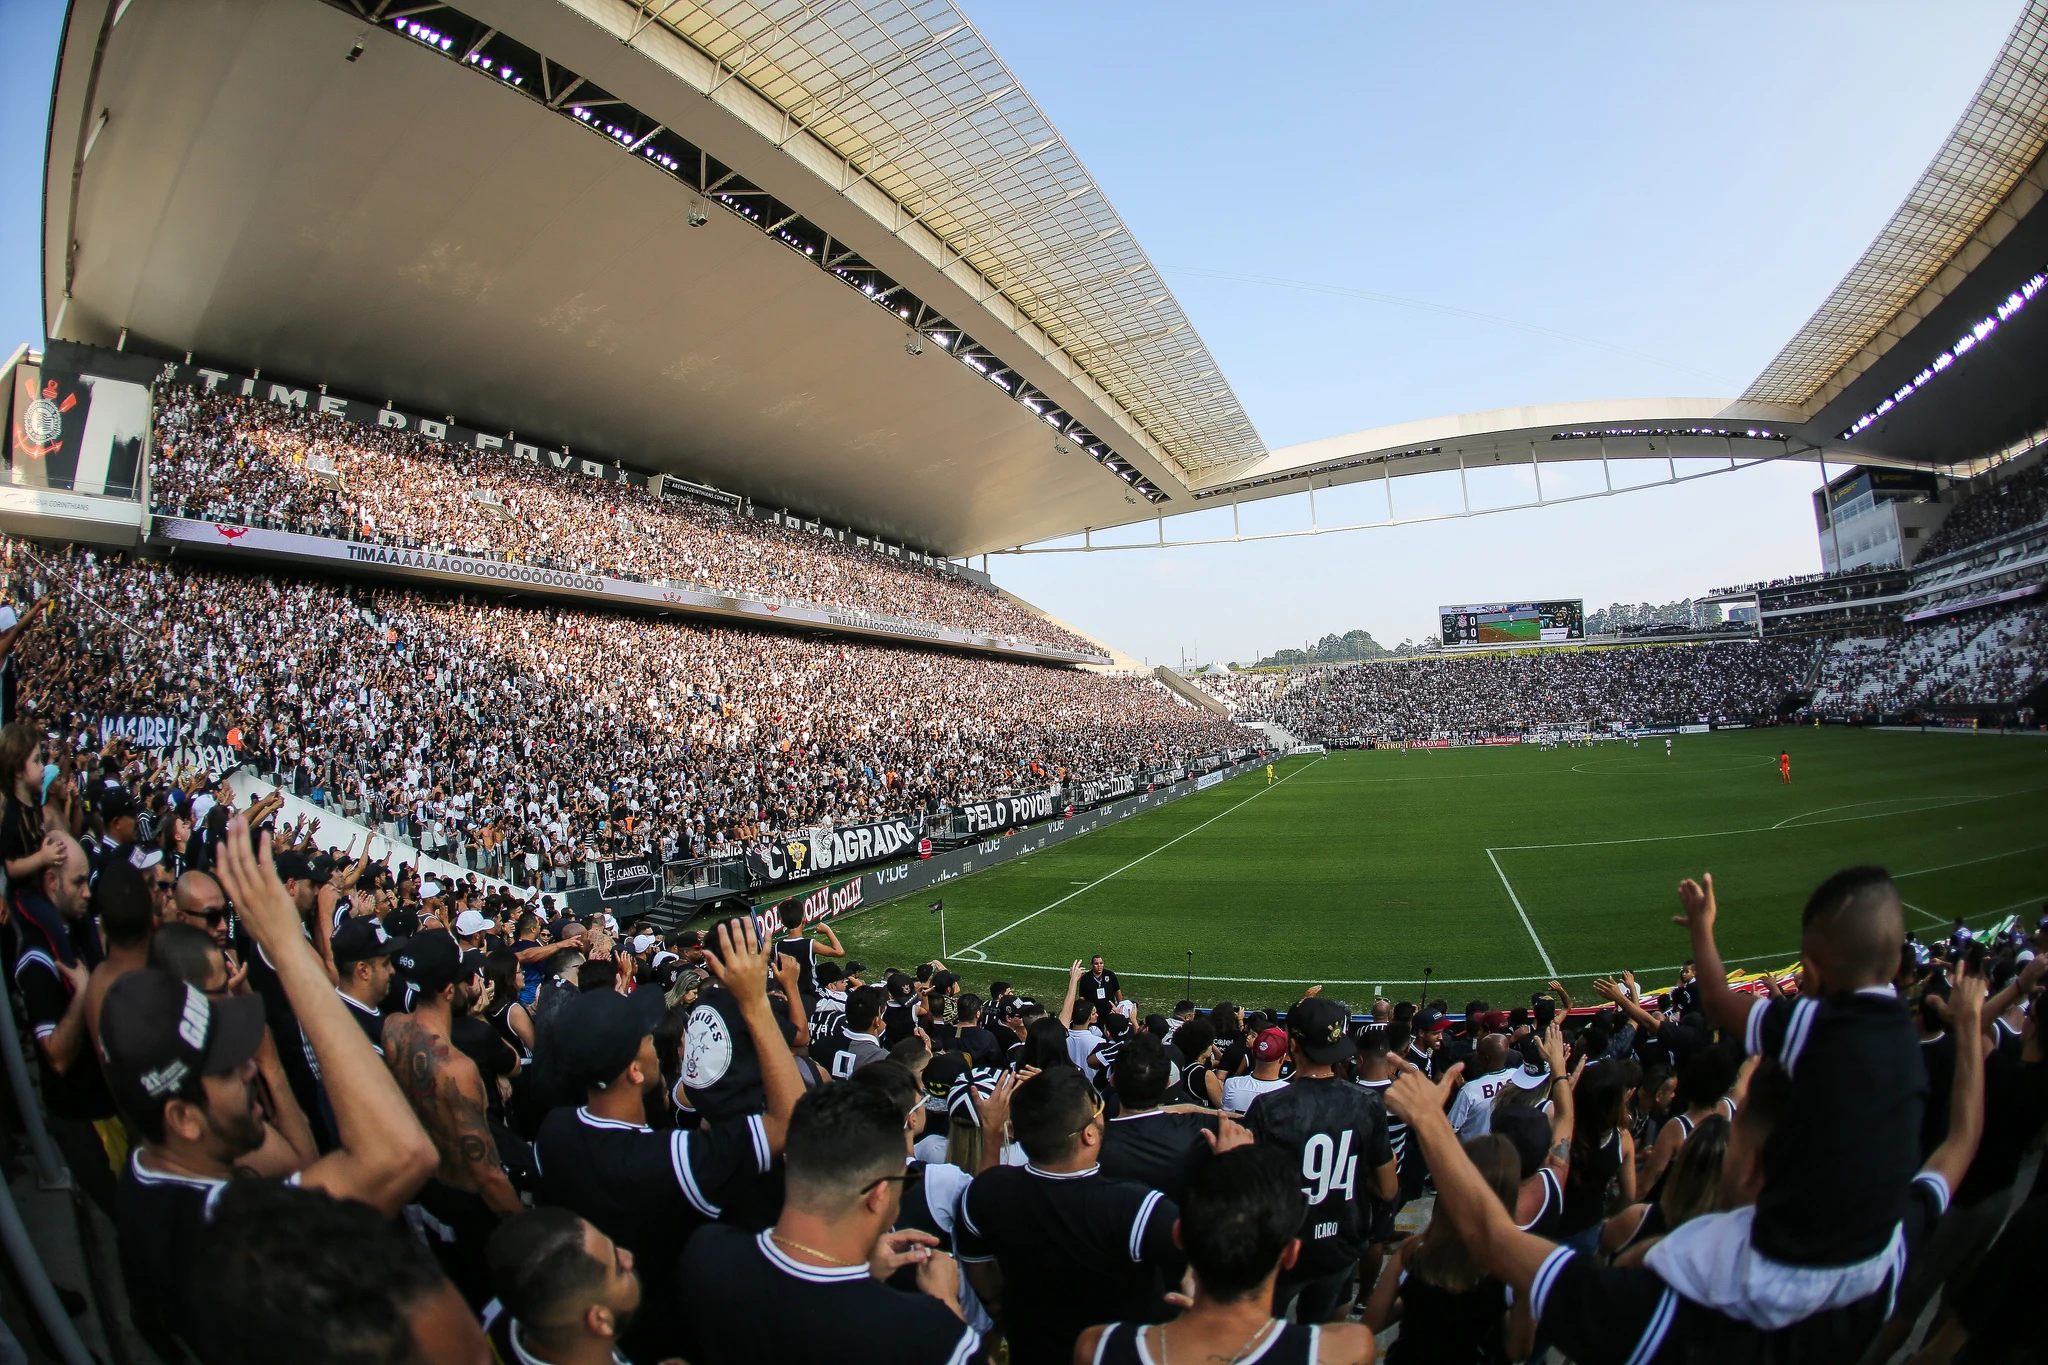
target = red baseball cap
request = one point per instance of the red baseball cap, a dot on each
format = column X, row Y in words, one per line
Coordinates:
column 1270, row 1045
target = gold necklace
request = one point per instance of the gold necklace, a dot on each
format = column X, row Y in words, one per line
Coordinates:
column 1253, row 1340
column 795, row 1245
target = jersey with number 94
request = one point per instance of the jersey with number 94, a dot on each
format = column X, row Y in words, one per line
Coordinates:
column 1336, row 1135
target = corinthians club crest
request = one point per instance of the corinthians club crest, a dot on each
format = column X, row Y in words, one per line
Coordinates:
column 42, row 422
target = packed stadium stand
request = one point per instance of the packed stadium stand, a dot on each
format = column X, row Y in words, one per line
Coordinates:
column 1498, row 694
column 1989, row 659
column 2007, row 501
column 577, row 735
column 227, row 458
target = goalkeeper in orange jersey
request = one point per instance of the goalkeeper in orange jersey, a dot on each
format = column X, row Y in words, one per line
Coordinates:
column 1785, row 766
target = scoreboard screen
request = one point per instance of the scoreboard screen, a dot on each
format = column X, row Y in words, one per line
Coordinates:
column 1514, row 623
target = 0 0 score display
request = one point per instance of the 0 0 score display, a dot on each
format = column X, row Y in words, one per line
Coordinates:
column 1514, row 623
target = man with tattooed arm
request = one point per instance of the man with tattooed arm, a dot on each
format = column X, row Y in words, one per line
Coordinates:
column 458, row 1208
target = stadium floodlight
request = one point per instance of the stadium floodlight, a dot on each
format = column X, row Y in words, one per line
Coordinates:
column 1964, row 344
column 913, row 344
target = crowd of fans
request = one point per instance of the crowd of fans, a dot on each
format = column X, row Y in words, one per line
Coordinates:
column 540, row 737
column 1987, row 659
column 219, row 457
column 1506, row 693
column 339, row 1114
column 2003, row 504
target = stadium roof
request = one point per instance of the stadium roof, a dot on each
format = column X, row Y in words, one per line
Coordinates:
column 914, row 101
column 734, row 241
column 1992, row 147
column 739, row 241
column 1927, row 355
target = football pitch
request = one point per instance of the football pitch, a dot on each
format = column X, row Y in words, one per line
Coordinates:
column 1494, row 868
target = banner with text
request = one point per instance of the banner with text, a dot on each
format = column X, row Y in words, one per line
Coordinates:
column 863, row 843
column 625, row 876
column 1004, row 812
column 142, row 732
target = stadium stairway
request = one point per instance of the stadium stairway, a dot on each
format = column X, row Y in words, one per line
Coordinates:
column 1283, row 738
column 334, row 830
column 1192, row 692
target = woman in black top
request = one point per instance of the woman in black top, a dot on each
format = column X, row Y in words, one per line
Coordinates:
column 1602, row 1149
column 1692, row 1188
column 1449, row 1308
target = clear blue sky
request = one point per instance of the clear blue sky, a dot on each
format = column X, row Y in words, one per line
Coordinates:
column 1684, row 182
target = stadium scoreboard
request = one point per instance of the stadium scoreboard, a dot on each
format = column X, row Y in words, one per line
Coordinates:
column 1513, row 623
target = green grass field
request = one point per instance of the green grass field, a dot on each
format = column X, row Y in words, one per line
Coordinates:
column 1495, row 867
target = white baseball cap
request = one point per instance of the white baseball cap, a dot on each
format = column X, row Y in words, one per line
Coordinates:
column 470, row 922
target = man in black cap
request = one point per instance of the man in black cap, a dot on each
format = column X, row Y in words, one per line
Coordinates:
column 1335, row 1133
column 362, row 959
column 182, row 1068
column 118, row 810
column 646, row 1190
column 470, row 1191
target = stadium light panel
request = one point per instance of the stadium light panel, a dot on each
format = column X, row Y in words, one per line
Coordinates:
column 1964, row 344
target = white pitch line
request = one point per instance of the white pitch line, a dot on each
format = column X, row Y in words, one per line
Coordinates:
column 1931, row 917
column 1141, row 858
column 1970, row 862
column 1520, row 911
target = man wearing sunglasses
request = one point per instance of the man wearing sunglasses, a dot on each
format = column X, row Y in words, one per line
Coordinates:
column 197, row 900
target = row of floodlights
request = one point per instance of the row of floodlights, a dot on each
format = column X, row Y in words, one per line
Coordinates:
column 1967, row 342
column 1731, row 433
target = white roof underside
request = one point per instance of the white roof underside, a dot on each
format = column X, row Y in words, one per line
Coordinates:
column 915, row 101
column 1999, row 137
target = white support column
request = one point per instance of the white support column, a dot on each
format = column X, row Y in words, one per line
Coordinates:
column 1537, row 466
column 1606, row 470
column 1464, row 489
column 1387, row 481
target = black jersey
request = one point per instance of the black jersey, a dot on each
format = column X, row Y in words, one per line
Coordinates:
column 1837, row 1165
column 1156, row 1149
column 1334, row 1132
column 806, row 954
column 759, row 1304
column 158, row 1216
column 508, row 1339
column 827, row 1023
column 1287, row 1344
column 1075, row 1249
column 1467, row 1326
column 899, row 1021
column 1611, row 1315
column 1397, row 1127
column 648, row 1191
column 45, row 939
column 1549, row 1215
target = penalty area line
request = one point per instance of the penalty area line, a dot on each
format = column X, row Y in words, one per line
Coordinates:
column 1520, row 911
column 1139, row 859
